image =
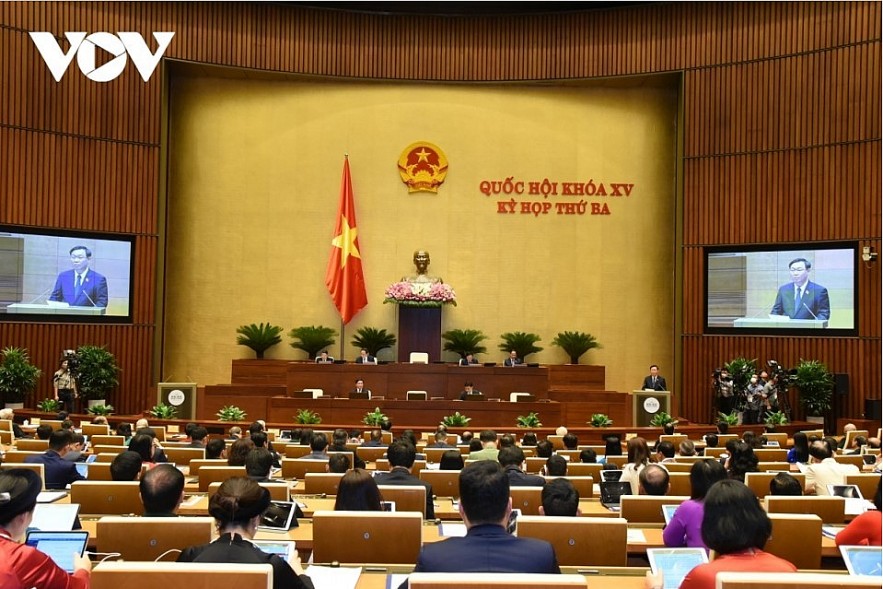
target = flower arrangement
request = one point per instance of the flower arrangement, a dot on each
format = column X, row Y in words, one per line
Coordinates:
column 420, row 294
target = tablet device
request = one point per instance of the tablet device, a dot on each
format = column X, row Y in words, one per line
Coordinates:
column 612, row 492
column 284, row 549
column 54, row 517
column 668, row 512
column 279, row 517
column 83, row 469
column 675, row 563
column 91, row 458
column 59, row 546
column 852, row 495
column 863, row 560
column 387, row 506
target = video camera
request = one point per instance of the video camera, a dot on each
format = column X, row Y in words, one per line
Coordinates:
column 783, row 375
column 73, row 360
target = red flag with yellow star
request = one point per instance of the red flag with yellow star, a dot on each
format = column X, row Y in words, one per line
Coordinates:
column 344, row 277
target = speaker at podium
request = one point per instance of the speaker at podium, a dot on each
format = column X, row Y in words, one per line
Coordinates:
column 180, row 395
column 646, row 404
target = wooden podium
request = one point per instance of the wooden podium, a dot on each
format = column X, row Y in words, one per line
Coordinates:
column 646, row 404
column 419, row 331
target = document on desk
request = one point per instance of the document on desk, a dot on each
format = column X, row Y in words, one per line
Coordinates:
column 50, row 496
column 451, row 530
column 635, row 536
column 334, row 577
column 394, row 581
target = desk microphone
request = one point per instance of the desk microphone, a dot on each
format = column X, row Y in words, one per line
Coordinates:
column 41, row 295
column 810, row 311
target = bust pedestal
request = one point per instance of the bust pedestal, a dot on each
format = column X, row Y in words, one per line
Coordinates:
column 419, row 331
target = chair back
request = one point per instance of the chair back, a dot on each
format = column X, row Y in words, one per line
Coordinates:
column 445, row 483
column 371, row 453
column 433, row 455
column 107, row 497
column 797, row 538
column 675, row 439
column 856, row 460
column 31, row 445
column 794, row 581
column 534, row 464
column 37, row 467
column 278, row 491
column 773, row 467
column 382, row 464
column 95, row 429
column 55, row 424
column 183, row 456
column 418, row 358
column 100, row 471
column 197, row 464
column 866, row 482
column 146, row 538
column 5, row 425
column 780, row 437
column 715, row 452
column 366, row 537
column 527, row 499
column 557, row 441
column 579, row 469
column 218, row 474
column 771, row 454
column 107, row 440
column 193, row 575
column 108, row 449
column 580, row 541
column 680, row 483
column 6, row 437
column 619, row 461
column 19, row 455
column 406, row 497
column 759, row 482
column 105, row 456
column 296, row 450
column 585, row 486
column 494, row 581
column 829, row 509
column 322, row 482
column 679, row 467
column 571, row 455
column 647, row 509
column 297, row 468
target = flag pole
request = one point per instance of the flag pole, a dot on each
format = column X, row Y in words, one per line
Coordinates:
column 342, row 336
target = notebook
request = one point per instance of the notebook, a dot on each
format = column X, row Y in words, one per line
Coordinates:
column 863, row 560
column 284, row 549
column 675, row 563
column 59, row 546
column 54, row 517
column 612, row 491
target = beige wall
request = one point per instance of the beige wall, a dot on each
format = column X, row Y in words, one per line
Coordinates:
column 254, row 182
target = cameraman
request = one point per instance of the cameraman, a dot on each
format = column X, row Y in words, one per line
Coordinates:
column 753, row 401
column 726, row 391
column 65, row 385
column 770, row 393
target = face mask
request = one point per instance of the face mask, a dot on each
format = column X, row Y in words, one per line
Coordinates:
column 753, row 381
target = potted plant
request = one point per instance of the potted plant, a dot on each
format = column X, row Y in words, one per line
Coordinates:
column 231, row 413
column 575, row 343
column 18, row 377
column 374, row 418
column 100, row 409
column 373, row 340
column 312, row 339
column 740, row 370
column 97, row 374
column 731, row 418
column 530, row 420
column 660, row 419
column 456, row 420
column 523, row 343
column 259, row 338
column 48, row 405
column 774, row 419
column 815, row 388
column 305, row 416
column 163, row 411
column 464, row 341
column 600, row 420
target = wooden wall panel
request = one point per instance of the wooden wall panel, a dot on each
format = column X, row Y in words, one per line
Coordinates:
column 781, row 131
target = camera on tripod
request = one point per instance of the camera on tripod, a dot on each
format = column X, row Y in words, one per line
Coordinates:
column 73, row 360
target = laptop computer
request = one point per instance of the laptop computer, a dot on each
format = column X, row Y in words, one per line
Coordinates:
column 863, row 560
column 612, row 492
column 475, row 397
column 59, row 546
column 855, row 503
column 279, row 517
column 362, row 396
column 284, row 549
column 675, row 563
column 668, row 512
column 54, row 517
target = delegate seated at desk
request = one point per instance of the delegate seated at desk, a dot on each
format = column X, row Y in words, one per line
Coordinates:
column 324, row 358
column 360, row 388
column 468, row 360
column 468, row 389
column 513, row 359
column 365, row 357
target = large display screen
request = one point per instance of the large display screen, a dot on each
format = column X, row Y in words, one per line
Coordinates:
column 806, row 289
column 55, row 275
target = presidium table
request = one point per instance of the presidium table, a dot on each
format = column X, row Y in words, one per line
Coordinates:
column 274, row 390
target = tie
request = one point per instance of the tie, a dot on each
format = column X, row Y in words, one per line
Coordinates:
column 78, row 285
column 654, row 382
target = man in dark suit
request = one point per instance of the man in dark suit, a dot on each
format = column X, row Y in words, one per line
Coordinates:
column 485, row 506
column 324, row 358
column 512, row 459
column 365, row 357
column 360, row 388
column 512, row 360
column 468, row 360
column 468, row 389
column 58, row 472
column 440, row 440
column 374, row 440
column 802, row 299
column 653, row 381
column 82, row 286
column 401, row 455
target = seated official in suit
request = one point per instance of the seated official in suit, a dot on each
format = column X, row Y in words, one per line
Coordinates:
column 258, row 465
column 556, row 466
column 365, row 357
column 375, row 439
column 318, row 448
column 488, row 450
column 401, row 455
column 512, row 460
column 800, row 298
column 339, row 440
column 468, row 360
column 27, row 566
column 513, row 359
column 487, row 547
column 58, row 472
column 338, row 463
column 653, row 381
column 324, row 358
column 237, row 508
column 440, row 440
column 126, row 466
column 162, row 491
column 560, row 497
column 468, row 389
column 360, row 388
column 653, row 480
column 216, row 449
column 82, row 286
